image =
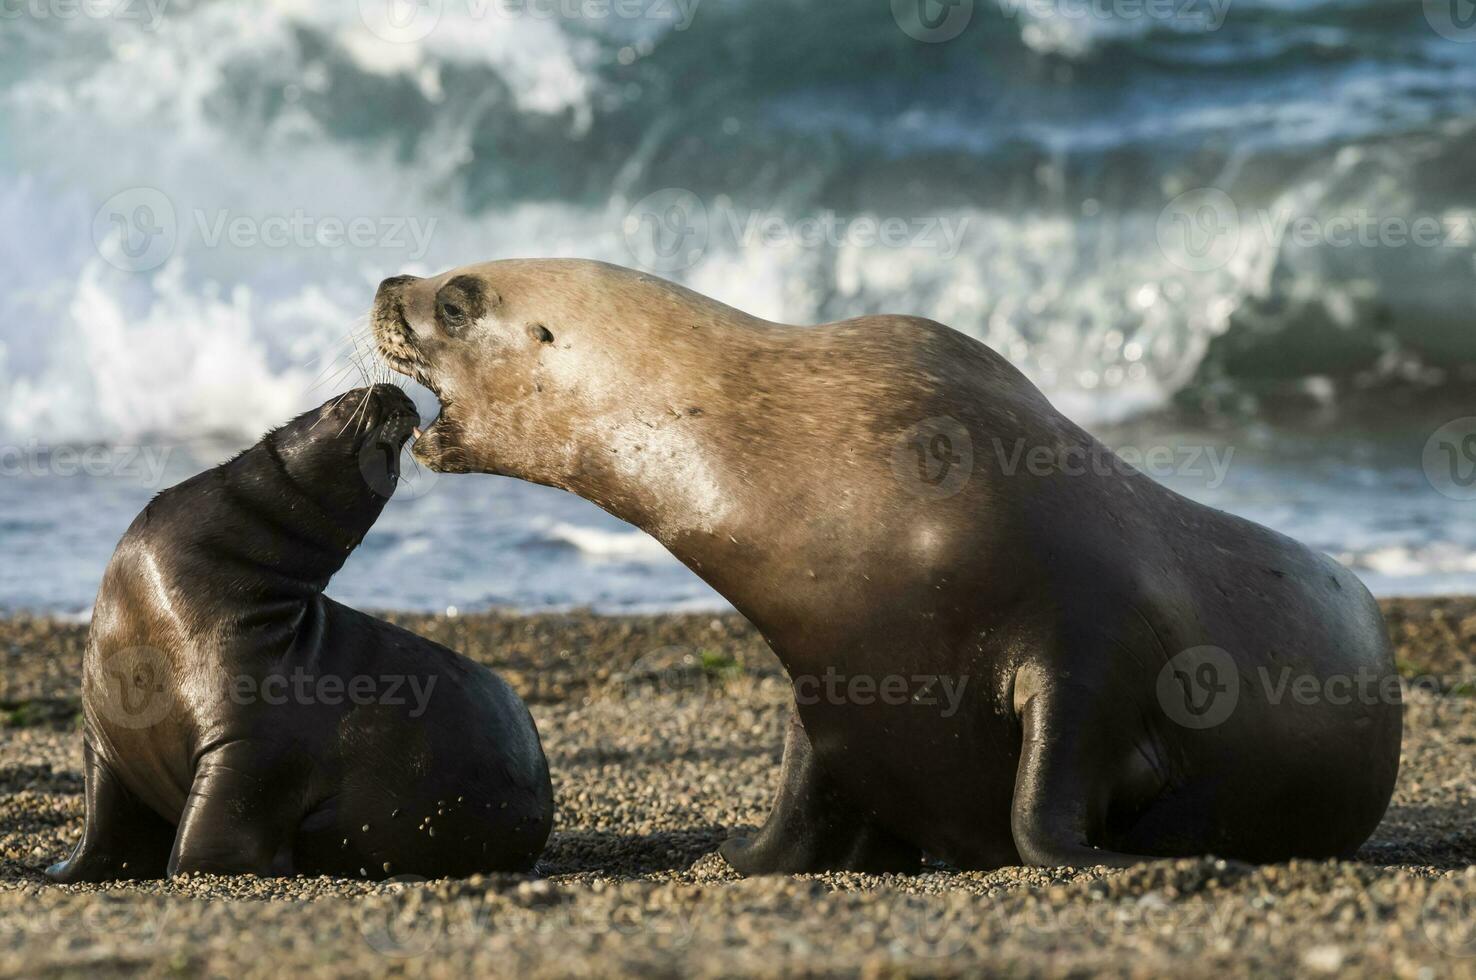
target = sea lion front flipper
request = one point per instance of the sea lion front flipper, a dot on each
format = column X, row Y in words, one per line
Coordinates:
column 814, row 828
column 1060, row 798
column 122, row 839
column 241, row 815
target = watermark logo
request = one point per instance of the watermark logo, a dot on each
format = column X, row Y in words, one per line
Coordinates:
column 134, row 688
column 135, row 230
column 400, row 21
column 1199, row 687
column 1448, row 918
column 1454, row 20
column 383, row 459
column 1450, row 459
column 667, row 231
column 1200, row 229
column 933, row 21
column 408, row 925
column 922, row 927
column 935, row 458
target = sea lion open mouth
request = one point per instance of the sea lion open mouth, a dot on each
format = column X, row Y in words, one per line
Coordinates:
column 403, row 350
column 436, row 444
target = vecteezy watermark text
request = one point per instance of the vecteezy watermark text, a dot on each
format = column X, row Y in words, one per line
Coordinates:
column 135, row 688
column 937, row 21
column 333, row 690
column 139, row 228
column 146, row 13
column 1204, row 229
column 672, row 229
column 1183, row 15
column 409, row 21
column 896, row 690
column 145, row 464
column 302, row 230
column 1210, row 463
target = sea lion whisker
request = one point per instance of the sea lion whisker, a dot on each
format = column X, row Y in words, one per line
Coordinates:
column 348, row 348
column 360, row 355
column 338, row 373
column 335, row 349
column 354, row 418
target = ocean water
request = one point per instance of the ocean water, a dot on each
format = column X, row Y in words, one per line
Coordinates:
column 1236, row 239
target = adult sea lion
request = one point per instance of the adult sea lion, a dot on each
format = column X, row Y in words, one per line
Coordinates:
column 1129, row 670
column 238, row 721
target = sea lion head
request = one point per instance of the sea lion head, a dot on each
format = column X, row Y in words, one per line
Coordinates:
column 344, row 456
column 549, row 370
column 458, row 335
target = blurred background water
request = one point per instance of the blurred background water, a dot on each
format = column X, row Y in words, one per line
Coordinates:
column 1237, row 230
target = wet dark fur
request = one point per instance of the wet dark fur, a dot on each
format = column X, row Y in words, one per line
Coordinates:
column 218, row 584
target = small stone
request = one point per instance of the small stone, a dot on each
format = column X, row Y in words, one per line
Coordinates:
column 1323, row 959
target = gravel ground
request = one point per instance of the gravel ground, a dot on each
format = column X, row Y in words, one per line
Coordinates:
column 663, row 734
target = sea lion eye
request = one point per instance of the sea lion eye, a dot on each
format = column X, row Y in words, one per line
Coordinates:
column 460, row 302
column 541, row 333
column 453, row 316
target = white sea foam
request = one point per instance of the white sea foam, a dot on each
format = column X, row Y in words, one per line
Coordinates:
column 602, row 544
column 260, row 112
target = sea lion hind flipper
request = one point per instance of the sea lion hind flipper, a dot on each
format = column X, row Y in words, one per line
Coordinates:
column 122, row 838
column 241, row 814
column 814, row 827
column 1059, row 799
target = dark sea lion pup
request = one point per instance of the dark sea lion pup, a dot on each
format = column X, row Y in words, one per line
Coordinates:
column 1005, row 645
column 237, row 721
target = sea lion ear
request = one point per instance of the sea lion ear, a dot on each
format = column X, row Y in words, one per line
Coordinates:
column 462, row 302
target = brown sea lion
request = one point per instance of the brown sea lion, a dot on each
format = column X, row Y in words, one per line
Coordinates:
column 902, row 514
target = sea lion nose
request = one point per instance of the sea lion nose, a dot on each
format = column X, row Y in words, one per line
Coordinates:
column 394, row 284
column 390, row 400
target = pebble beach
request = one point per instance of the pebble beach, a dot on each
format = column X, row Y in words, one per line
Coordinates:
column 664, row 736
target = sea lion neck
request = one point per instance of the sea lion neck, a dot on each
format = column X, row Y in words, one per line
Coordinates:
column 311, row 535
column 695, row 454
column 248, row 528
